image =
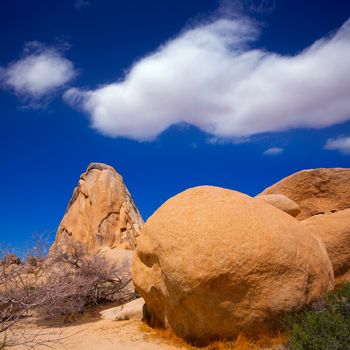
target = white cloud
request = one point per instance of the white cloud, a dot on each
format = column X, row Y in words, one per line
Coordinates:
column 341, row 144
column 208, row 77
column 273, row 151
column 39, row 72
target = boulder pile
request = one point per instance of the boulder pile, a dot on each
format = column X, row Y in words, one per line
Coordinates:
column 316, row 191
column 323, row 196
column 212, row 262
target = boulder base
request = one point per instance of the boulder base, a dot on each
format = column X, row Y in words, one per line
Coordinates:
column 212, row 262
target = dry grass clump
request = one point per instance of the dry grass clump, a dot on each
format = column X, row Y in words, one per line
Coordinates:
column 166, row 335
column 241, row 342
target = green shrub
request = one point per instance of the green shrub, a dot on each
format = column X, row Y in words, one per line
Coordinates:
column 326, row 326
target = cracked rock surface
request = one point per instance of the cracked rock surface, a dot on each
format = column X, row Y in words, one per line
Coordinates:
column 101, row 212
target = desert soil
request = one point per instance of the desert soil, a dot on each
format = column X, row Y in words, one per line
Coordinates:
column 95, row 334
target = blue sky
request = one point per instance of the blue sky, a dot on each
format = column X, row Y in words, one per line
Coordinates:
column 172, row 94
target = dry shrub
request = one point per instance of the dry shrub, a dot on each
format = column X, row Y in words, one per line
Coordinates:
column 64, row 284
column 78, row 280
column 9, row 259
column 18, row 296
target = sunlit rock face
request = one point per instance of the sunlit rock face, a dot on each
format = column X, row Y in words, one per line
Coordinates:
column 101, row 213
column 212, row 262
column 334, row 230
column 316, row 191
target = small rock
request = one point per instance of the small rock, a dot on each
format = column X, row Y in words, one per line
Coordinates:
column 281, row 202
column 129, row 311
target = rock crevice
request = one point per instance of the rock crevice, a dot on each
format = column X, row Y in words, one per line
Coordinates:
column 101, row 212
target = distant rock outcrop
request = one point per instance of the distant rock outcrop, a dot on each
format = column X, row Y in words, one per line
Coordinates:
column 316, row 191
column 101, row 213
column 334, row 231
column 281, row 202
column 212, row 262
column 10, row 259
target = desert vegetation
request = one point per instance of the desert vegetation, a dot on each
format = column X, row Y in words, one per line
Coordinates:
column 61, row 285
column 325, row 326
column 191, row 298
column 19, row 292
column 78, row 280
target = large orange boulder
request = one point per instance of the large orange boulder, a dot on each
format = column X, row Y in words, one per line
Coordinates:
column 212, row 262
column 334, row 231
column 101, row 213
column 316, row 191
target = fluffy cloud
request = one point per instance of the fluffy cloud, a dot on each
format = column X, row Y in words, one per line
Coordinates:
column 273, row 151
column 341, row 144
column 210, row 77
column 38, row 73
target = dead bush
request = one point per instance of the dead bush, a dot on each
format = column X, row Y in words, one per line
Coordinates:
column 18, row 295
column 8, row 259
column 77, row 280
column 64, row 284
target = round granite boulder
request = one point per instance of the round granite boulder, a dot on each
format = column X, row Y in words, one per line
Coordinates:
column 212, row 262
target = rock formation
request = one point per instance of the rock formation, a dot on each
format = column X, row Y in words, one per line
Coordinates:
column 122, row 258
column 10, row 259
column 101, row 212
column 281, row 202
column 334, row 231
column 316, row 191
column 212, row 262
column 129, row 311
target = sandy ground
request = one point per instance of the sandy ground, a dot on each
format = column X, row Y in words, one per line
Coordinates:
column 101, row 334
column 95, row 335
column 91, row 332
